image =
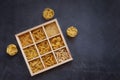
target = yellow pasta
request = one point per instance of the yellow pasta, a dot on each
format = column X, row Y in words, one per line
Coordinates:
column 36, row 65
column 30, row 52
column 44, row 47
column 48, row 13
column 38, row 34
column 49, row 60
column 51, row 29
column 25, row 39
column 11, row 49
column 57, row 42
column 72, row 31
column 62, row 55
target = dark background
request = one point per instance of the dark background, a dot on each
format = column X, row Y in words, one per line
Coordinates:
column 96, row 49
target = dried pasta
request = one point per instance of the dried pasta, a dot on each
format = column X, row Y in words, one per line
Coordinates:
column 49, row 60
column 62, row 55
column 48, row 13
column 72, row 31
column 38, row 34
column 25, row 39
column 44, row 47
column 11, row 49
column 30, row 52
column 57, row 42
column 51, row 29
column 36, row 65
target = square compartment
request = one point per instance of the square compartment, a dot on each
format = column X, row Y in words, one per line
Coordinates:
column 56, row 42
column 36, row 65
column 43, row 47
column 51, row 29
column 38, row 34
column 49, row 60
column 62, row 55
column 30, row 52
column 25, row 39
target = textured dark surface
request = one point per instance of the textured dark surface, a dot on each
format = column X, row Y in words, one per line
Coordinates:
column 96, row 50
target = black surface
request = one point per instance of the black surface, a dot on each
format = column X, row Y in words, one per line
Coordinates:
column 96, row 50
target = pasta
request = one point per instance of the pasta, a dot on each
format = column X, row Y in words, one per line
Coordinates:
column 51, row 29
column 57, row 42
column 44, row 47
column 49, row 60
column 12, row 49
column 36, row 65
column 30, row 52
column 38, row 34
column 48, row 13
column 72, row 31
column 25, row 39
column 62, row 55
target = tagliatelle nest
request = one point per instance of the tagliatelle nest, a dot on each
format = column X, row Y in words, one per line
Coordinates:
column 12, row 49
column 48, row 13
column 72, row 31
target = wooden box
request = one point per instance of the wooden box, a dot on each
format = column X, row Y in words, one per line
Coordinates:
column 43, row 47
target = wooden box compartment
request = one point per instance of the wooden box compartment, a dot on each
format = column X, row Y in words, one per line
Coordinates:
column 43, row 47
